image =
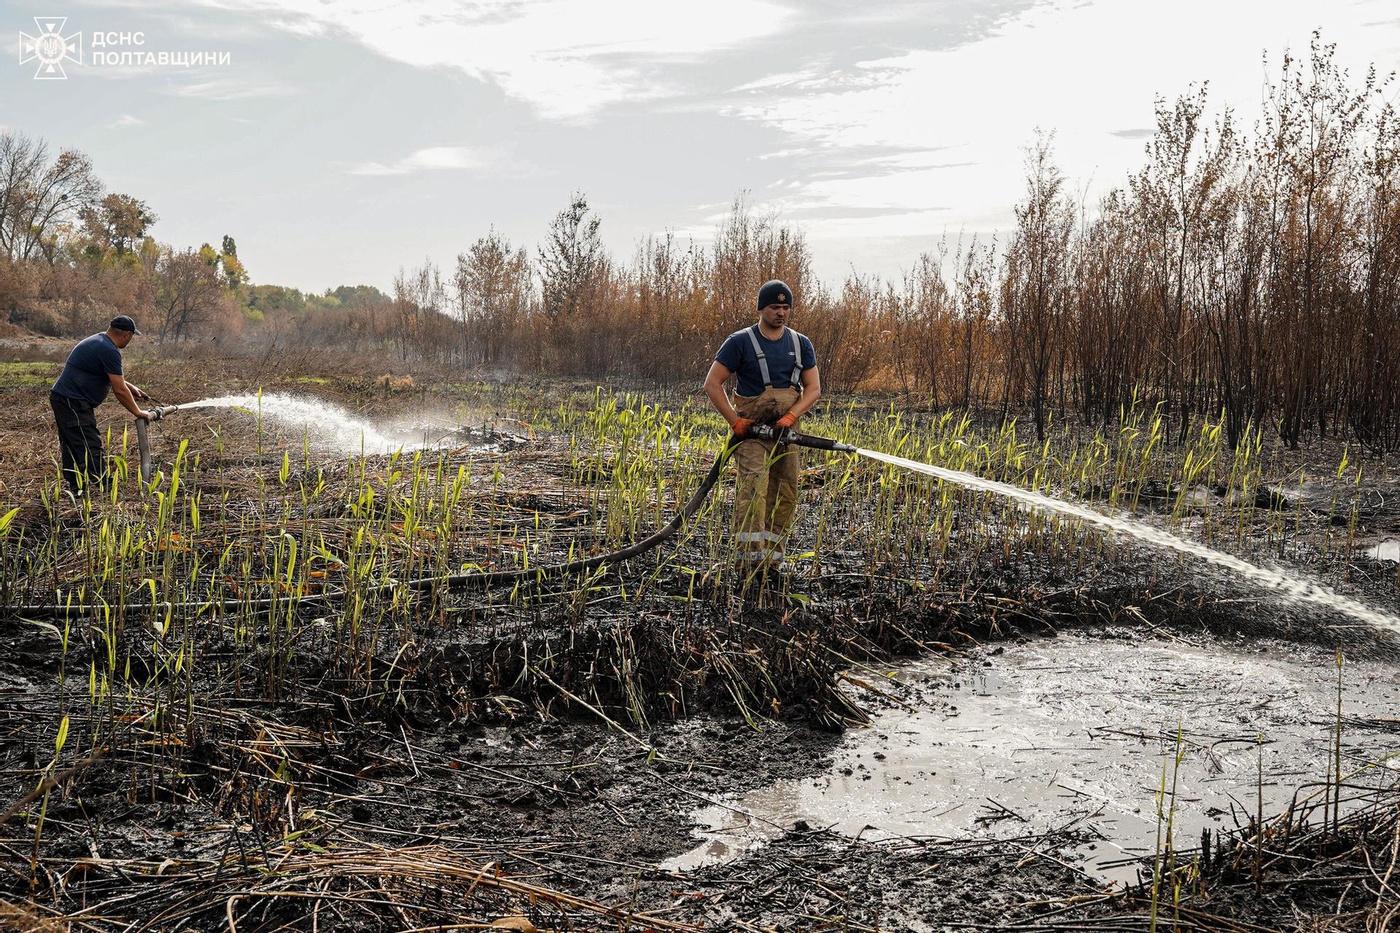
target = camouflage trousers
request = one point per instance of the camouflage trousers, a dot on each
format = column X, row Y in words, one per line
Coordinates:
column 765, row 489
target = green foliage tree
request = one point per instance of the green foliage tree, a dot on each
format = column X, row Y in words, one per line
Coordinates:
column 276, row 299
column 357, row 296
column 235, row 275
column 118, row 223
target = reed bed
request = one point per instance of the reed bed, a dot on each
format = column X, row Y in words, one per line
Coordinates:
column 224, row 624
column 284, row 568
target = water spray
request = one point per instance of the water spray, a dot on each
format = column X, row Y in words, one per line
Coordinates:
column 344, row 429
column 1291, row 586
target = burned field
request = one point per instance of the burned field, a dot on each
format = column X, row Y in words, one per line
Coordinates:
column 270, row 690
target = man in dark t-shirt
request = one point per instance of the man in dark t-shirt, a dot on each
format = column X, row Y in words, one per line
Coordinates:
column 94, row 365
column 778, row 383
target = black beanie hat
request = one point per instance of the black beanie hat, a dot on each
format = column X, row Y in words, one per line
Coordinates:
column 774, row 292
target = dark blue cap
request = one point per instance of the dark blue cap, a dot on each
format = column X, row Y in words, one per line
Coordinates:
column 123, row 322
column 774, row 292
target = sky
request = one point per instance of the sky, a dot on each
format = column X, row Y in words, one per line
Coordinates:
column 339, row 141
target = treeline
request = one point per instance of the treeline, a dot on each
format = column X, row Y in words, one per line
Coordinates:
column 1250, row 274
column 73, row 254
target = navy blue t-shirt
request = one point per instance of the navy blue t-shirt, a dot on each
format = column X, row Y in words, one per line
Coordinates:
column 85, row 375
column 737, row 355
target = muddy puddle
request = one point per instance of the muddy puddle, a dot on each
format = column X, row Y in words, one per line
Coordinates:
column 1079, row 730
column 1385, row 551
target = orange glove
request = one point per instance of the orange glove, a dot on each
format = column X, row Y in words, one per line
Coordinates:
column 741, row 427
column 786, row 422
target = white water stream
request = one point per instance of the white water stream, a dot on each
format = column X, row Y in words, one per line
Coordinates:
column 328, row 422
column 1289, row 586
column 352, row 433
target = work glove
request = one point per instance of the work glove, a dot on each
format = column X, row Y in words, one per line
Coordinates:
column 741, row 426
column 786, row 422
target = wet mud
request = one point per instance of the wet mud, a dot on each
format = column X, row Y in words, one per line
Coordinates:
column 1083, row 731
column 1023, row 718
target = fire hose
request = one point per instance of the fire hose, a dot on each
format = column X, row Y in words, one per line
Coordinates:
column 484, row 579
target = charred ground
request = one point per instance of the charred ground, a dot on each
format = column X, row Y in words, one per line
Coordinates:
column 352, row 761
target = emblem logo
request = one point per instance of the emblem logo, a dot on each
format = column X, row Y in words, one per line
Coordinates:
column 50, row 48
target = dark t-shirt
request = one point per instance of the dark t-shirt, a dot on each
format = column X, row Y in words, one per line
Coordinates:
column 85, row 375
column 737, row 355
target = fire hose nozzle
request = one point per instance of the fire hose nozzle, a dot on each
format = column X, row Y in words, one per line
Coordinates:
column 767, row 432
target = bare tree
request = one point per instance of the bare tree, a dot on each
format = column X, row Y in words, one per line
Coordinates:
column 39, row 197
column 1375, row 336
column 188, row 293
column 419, row 296
column 1035, row 290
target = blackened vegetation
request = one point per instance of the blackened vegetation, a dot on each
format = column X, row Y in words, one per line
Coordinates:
column 367, row 757
column 1308, row 869
column 373, row 803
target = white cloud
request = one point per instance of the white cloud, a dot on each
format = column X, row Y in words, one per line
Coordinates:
column 126, row 120
column 308, row 28
column 1088, row 71
column 221, row 89
column 566, row 58
column 434, row 158
column 787, row 80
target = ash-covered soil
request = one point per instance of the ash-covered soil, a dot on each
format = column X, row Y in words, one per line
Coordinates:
column 497, row 764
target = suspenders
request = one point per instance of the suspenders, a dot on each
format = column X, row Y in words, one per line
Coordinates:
column 796, row 378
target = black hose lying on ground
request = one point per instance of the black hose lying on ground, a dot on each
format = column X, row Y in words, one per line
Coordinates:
column 462, row 581
column 454, row 582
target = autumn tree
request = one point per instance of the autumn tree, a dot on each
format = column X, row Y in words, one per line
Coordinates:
column 234, row 272
column 492, row 295
column 118, row 223
column 188, row 293
column 419, row 295
column 1307, row 150
column 749, row 249
column 670, row 325
column 1374, row 339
